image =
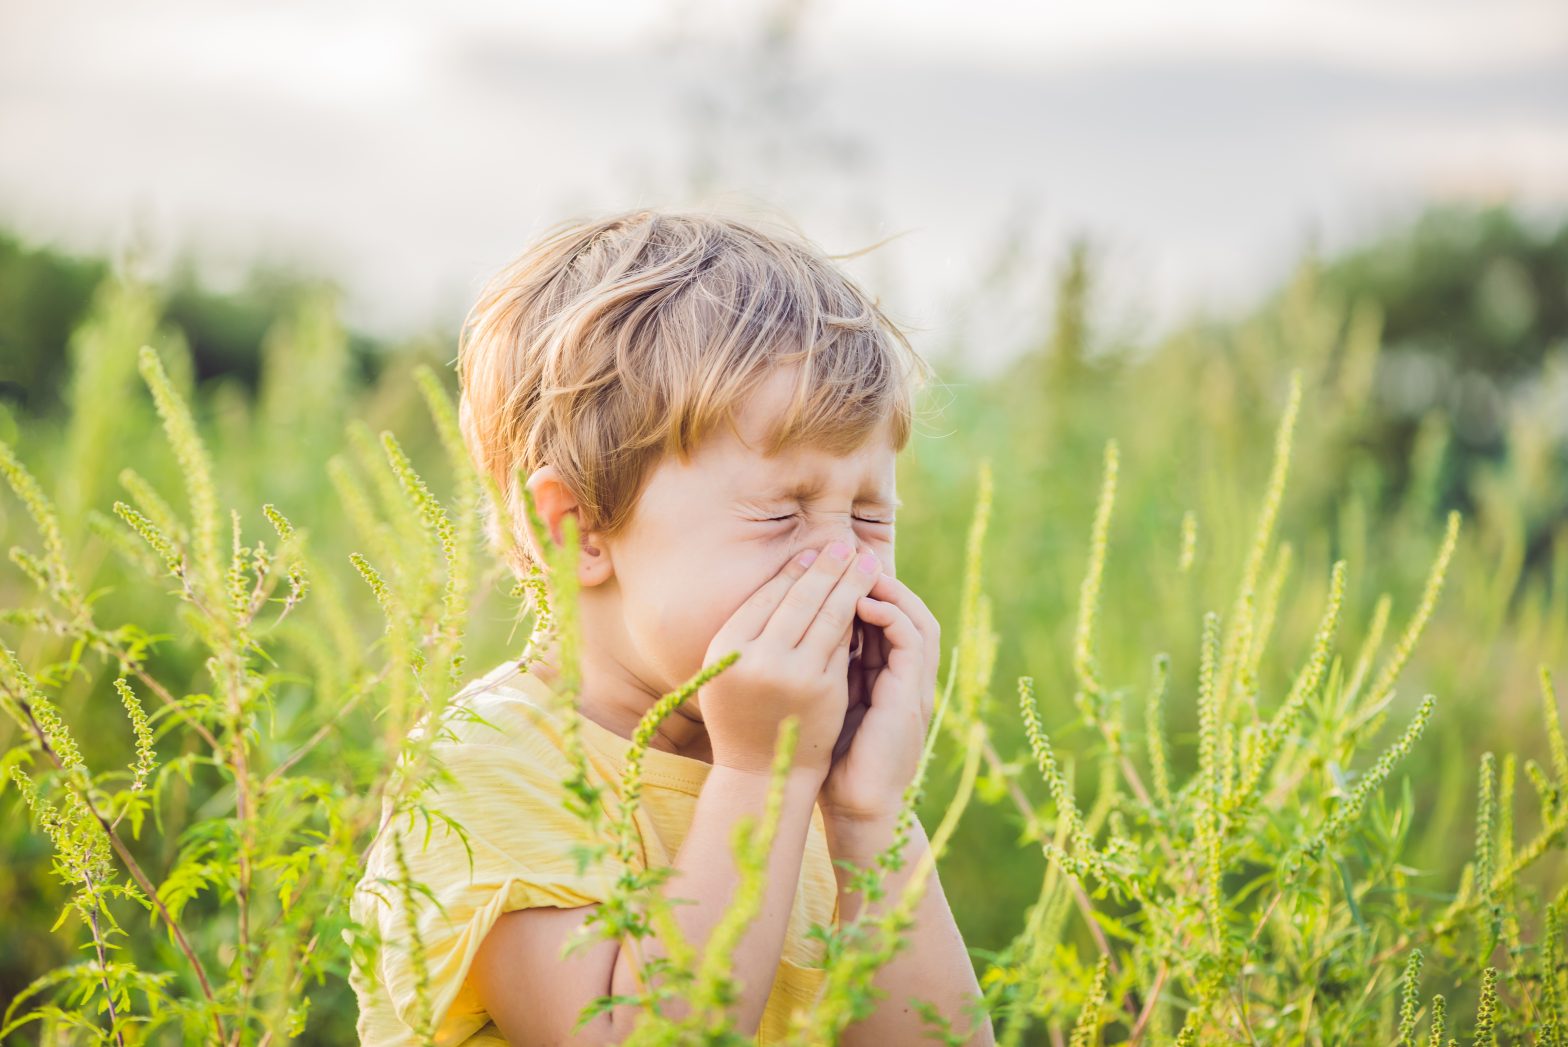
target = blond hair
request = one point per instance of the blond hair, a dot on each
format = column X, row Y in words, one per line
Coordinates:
column 611, row 342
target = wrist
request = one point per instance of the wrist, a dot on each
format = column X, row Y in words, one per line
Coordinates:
column 859, row 843
column 797, row 780
column 860, row 838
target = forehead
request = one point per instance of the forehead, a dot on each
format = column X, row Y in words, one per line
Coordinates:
column 794, row 469
column 768, row 403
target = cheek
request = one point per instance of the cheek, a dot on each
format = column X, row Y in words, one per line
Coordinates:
column 674, row 632
column 692, row 607
column 882, row 545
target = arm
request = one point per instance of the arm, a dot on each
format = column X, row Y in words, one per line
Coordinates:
column 534, row 996
column 934, row 965
column 705, row 871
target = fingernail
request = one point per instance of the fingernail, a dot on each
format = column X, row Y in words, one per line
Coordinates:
column 839, row 550
column 867, row 562
column 805, row 559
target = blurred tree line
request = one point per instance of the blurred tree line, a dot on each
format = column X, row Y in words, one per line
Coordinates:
column 1469, row 307
column 1472, row 304
column 1474, row 316
column 45, row 294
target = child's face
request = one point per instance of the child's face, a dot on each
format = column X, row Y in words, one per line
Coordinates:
column 705, row 536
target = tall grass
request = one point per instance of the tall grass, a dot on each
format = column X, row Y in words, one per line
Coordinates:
column 1270, row 848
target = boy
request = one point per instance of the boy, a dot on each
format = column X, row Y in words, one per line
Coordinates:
column 720, row 409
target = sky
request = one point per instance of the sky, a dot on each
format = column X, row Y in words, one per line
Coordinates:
column 410, row 149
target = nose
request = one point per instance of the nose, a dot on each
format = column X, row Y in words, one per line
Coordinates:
column 822, row 539
column 837, row 533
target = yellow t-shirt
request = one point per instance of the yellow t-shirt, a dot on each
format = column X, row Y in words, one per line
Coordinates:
column 506, row 793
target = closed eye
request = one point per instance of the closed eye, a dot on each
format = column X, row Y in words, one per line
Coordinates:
column 862, row 519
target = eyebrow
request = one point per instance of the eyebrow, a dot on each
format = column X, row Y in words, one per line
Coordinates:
column 807, row 489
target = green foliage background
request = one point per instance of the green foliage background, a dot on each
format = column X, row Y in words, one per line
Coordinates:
column 1071, row 521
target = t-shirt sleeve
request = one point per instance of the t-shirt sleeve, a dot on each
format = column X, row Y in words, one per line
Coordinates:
column 519, row 854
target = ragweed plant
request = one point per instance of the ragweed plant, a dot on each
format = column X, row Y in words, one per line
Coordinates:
column 1264, row 900
column 250, row 907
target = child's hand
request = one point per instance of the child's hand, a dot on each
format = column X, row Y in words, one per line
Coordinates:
column 793, row 638
column 892, row 691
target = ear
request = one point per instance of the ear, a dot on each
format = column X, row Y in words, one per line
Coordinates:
column 555, row 500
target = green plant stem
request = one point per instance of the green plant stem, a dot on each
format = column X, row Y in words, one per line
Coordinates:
column 1085, row 906
column 1136, row 1035
column 131, row 866
column 103, row 962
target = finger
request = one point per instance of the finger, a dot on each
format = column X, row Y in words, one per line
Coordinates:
column 906, row 654
column 845, row 647
column 891, row 589
column 873, row 654
column 838, row 660
column 836, row 616
column 793, row 613
column 751, row 617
